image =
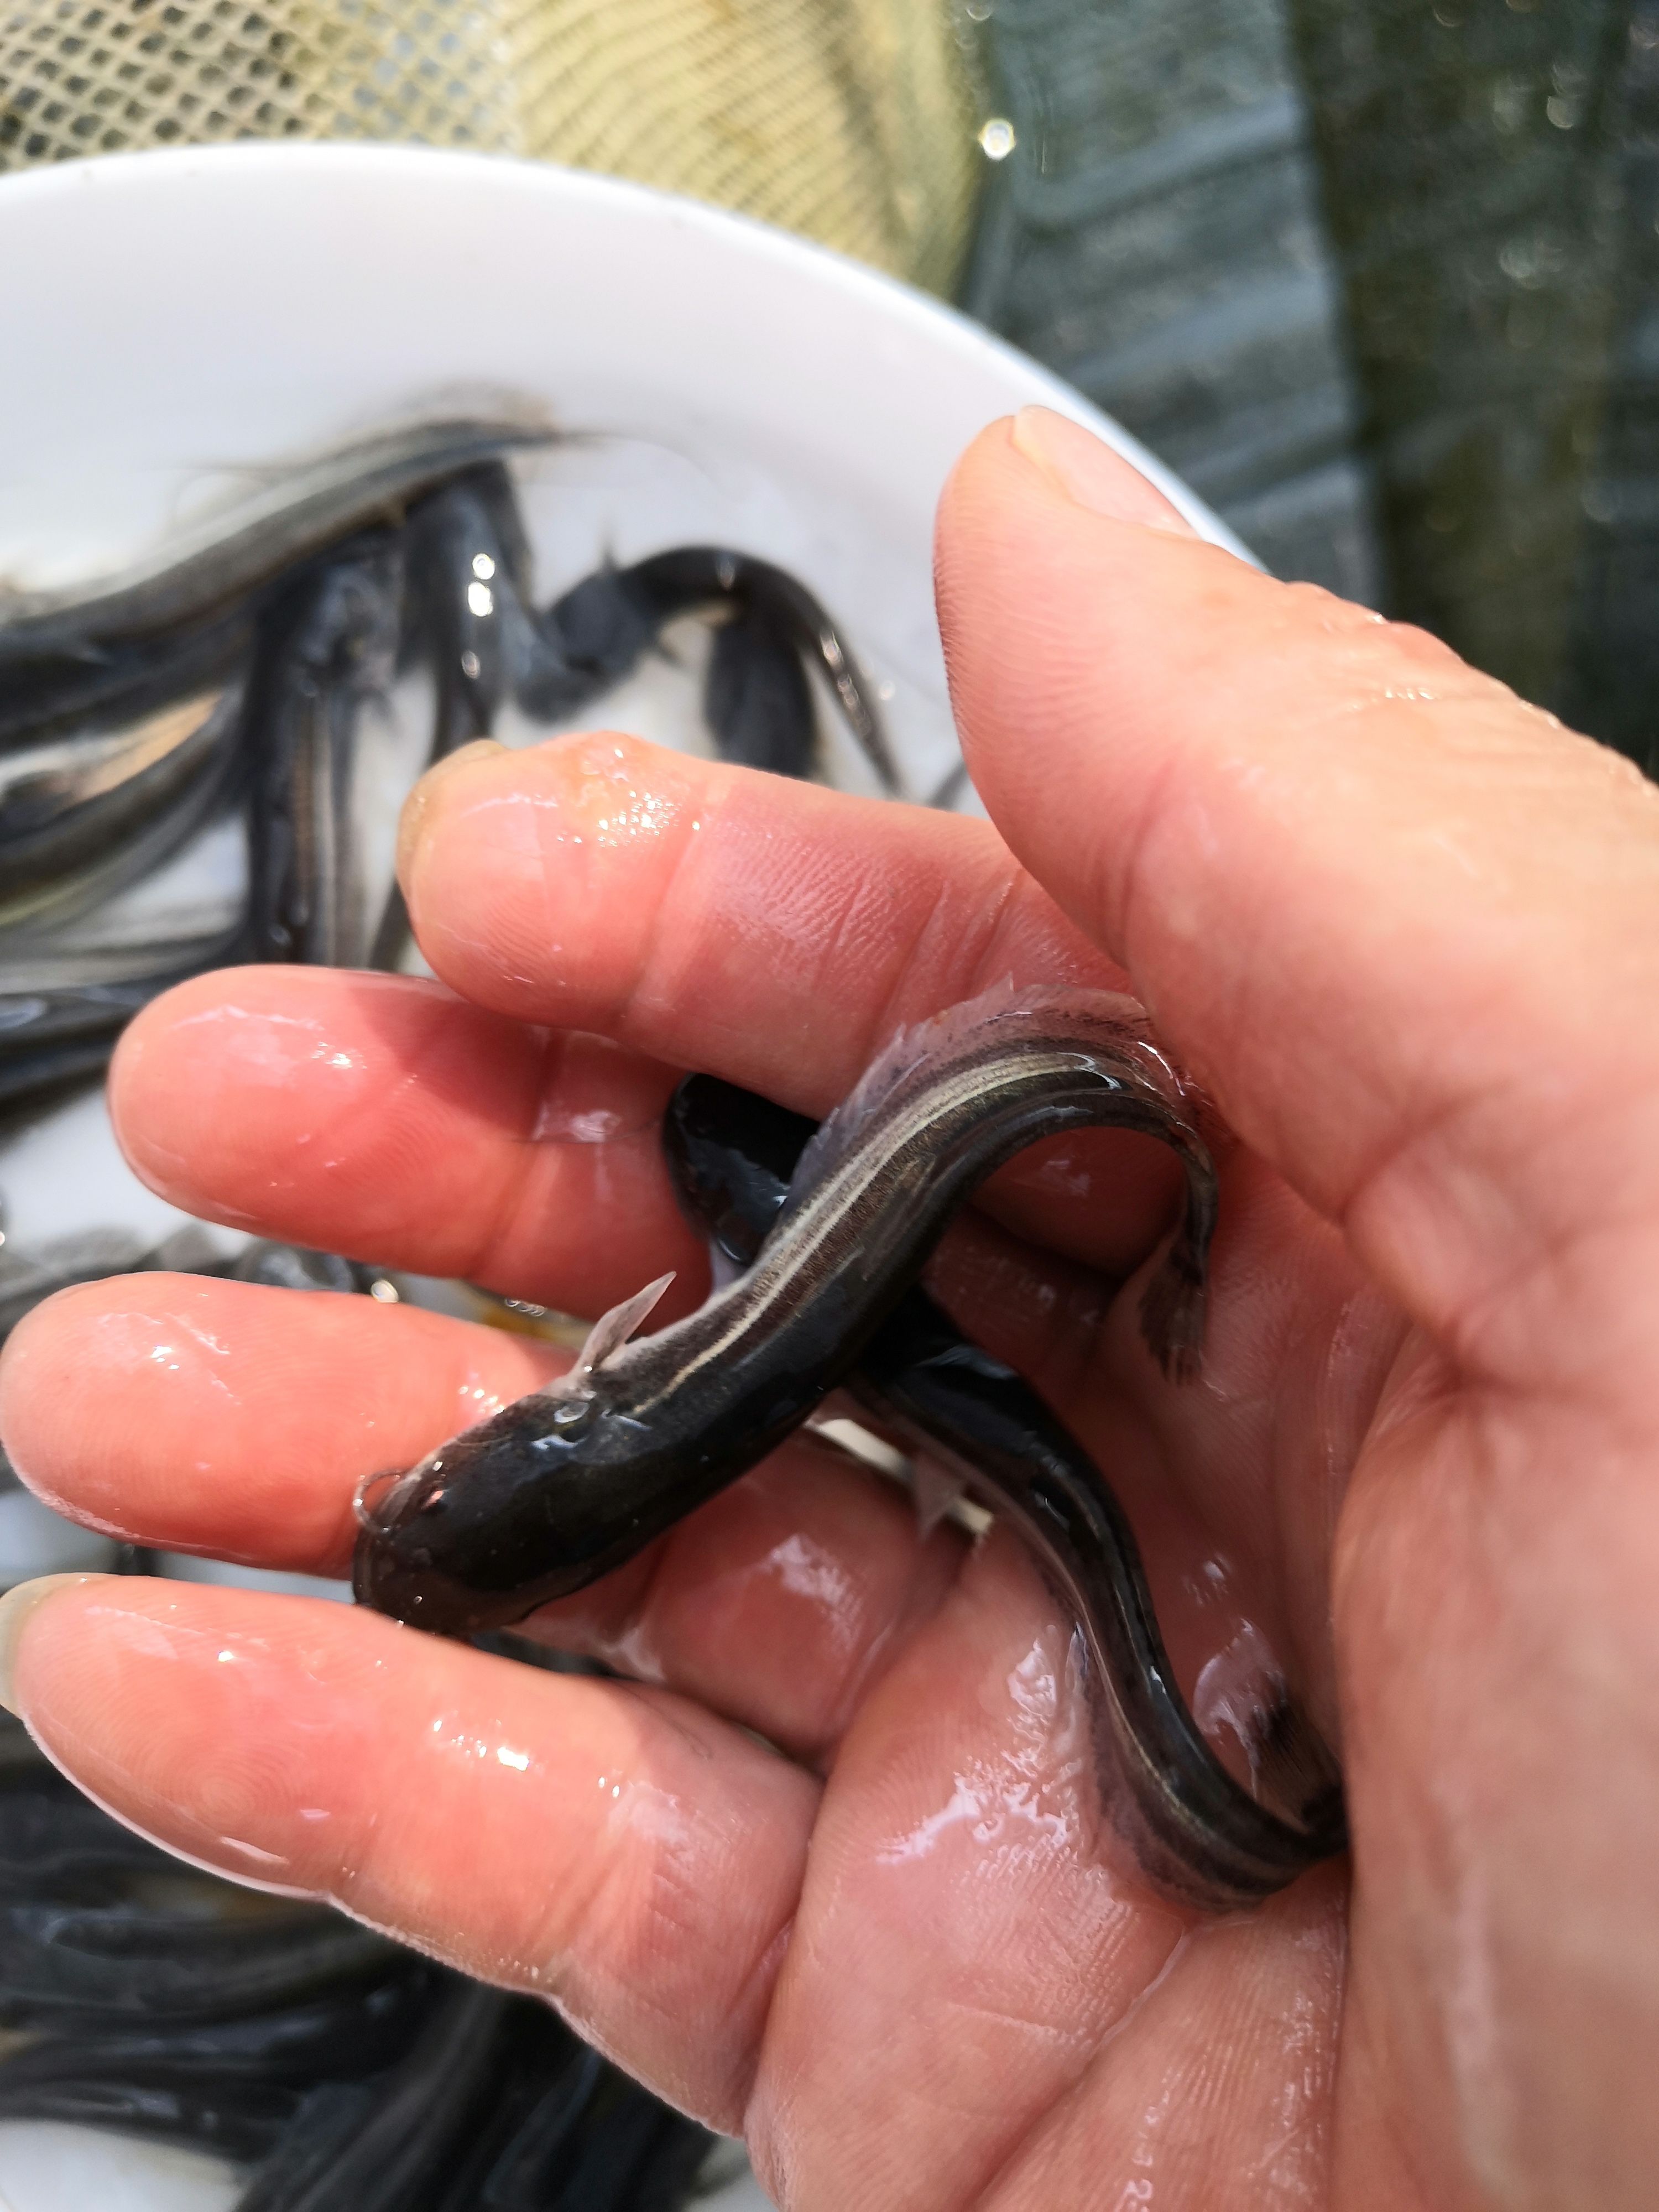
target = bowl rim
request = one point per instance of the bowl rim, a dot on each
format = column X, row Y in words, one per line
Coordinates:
column 885, row 297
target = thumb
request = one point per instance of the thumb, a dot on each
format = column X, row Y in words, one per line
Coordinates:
column 1405, row 927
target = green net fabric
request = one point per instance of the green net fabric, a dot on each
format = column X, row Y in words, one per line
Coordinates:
column 850, row 120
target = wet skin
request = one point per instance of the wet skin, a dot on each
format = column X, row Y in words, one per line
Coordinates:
column 1407, row 932
column 537, row 1501
column 1196, row 1833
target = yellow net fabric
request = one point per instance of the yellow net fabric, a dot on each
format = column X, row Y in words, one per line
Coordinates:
column 851, row 120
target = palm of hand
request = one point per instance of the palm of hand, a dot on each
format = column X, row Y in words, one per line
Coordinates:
column 902, row 1950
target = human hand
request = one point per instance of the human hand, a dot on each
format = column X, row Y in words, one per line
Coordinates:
column 1404, row 928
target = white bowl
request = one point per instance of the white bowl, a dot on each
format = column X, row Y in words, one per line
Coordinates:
column 176, row 317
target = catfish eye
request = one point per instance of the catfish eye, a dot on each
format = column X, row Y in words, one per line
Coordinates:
column 572, row 1414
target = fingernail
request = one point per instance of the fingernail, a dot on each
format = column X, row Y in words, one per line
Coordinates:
column 1087, row 472
column 418, row 805
column 17, row 1610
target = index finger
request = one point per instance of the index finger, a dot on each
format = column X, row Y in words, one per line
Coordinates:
column 770, row 932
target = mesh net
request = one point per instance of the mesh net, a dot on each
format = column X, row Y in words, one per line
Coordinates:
column 852, row 121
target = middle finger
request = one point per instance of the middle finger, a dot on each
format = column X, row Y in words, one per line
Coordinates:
column 236, row 1420
column 378, row 1116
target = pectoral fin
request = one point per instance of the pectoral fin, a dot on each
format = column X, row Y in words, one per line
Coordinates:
column 937, row 1492
column 608, row 1335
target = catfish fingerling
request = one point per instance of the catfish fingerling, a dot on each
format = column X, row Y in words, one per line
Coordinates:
column 569, row 1482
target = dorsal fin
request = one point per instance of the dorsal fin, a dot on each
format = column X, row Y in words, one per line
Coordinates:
column 937, row 1491
column 608, row 1335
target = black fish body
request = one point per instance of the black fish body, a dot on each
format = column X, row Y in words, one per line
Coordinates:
column 562, row 1487
column 1194, row 1828
column 467, row 617
column 756, row 700
column 83, row 817
column 569, row 1483
column 771, row 613
column 201, row 575
column 50, row 696
column 328, row 649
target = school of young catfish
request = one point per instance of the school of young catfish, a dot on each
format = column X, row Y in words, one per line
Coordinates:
column 227, row 681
